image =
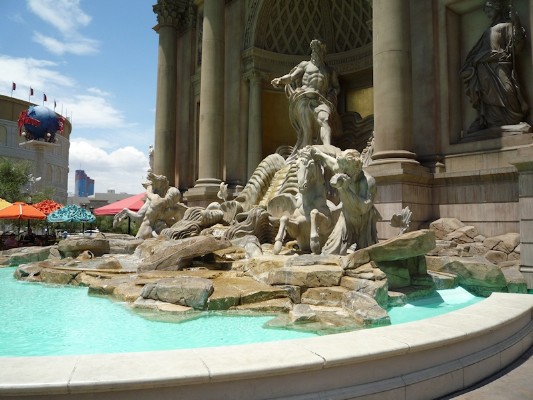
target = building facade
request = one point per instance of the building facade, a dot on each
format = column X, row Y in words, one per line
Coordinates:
column 218, row 116
column 50, row 161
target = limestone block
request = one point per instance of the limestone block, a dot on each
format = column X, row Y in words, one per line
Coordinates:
column 516, row 282
column 151, row 304
column 474, row 249
column 324, row 296
column 26, row 272
column 26, row 255
column 260, row 267
column 410, row 244
column 55, row 276
column 444, row 280
column 186, row 291
column 365, row 309
column 294, row 292
column 444, row 226
column 356, row 259
column 275, row 305
column 378, row 290
column 396, row 299
column 174, row 255
column 495, row 256
column 307, row 276
column 123, row 245
column 476, row 274
column 302, row 313
column 127, row 291
column 107, row 286
column 74, row 246
column 459, row 236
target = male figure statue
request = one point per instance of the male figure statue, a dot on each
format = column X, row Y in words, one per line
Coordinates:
column 312, row 88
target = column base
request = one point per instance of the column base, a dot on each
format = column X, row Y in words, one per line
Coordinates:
column 394, row 156
column 399, row 185
column 203, row 193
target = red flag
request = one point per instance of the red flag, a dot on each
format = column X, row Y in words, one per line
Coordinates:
column 13, row 86
column 44, row 97
column 31, row 91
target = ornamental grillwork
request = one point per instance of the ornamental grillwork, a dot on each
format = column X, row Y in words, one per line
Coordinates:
column 287, row 27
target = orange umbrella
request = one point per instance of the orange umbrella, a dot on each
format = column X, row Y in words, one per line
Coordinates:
column 20, row 210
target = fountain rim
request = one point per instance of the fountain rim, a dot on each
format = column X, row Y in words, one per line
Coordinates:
column 438, row 355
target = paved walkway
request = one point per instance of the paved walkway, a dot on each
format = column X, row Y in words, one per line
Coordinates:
column 512, row 383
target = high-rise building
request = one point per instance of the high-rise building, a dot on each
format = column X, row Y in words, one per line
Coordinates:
column 84, row 186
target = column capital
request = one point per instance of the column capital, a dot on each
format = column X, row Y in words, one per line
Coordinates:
column 173, row 13
column 253, row 76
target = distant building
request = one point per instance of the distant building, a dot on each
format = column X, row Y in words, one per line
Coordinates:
column 84, row 186
column 50, row 161
column 97, row 199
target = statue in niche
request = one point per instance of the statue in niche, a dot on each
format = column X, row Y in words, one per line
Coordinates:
column 356, row 226
column 489, row 72
column 312, row 88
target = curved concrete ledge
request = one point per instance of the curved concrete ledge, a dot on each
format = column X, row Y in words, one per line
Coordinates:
column 418, row 360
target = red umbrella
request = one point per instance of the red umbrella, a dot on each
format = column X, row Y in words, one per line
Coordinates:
column 47, row 206
column 20, row 210
column 133, row 203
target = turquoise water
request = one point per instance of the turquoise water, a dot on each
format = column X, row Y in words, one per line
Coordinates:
column 442, row 302
column 38, row 320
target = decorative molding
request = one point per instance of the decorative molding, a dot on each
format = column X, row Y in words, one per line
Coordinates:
column 174, row 13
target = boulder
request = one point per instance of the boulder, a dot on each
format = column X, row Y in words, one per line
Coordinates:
column 444, row 226
column 283, row 305
column 475, row 274
column 74, row 246
column 365, row 309
column 174, row 255
column 444, row 280
column 505, row 243
column 397, row 299
column 123, row 245
column 302, row 314
column 516, row 282
column 186, row 291
column 259, row 267
column 59, row 277
column 378, row 290
column 306, row 275
column 324, row 296
column 150, row 304
column 465, row 234
column 26, row 255
column 408, row 245
column 495, row 256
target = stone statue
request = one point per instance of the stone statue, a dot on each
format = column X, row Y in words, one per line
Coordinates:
column 312, row 88
column 151, row 158
column 161, row 209
column 357, row 222
column 489, row 71
column 309, row 217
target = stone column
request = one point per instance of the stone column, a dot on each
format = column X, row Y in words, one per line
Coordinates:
column 524, row 165
column 400, row 179
column 165, row 115
column 211, row 121
column 392, row 81
column 254, row 123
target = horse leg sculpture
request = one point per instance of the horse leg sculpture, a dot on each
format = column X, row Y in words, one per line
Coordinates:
column 281, row 234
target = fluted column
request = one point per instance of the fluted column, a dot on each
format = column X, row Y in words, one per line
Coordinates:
column 211, row 124
column 254, row 123
column 392, row 82
column 165, row 115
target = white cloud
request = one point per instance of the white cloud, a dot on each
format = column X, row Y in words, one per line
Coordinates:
column 26, row 72
column 79, row 46
column 123, row 169
column 67, row 17
column 91, row 111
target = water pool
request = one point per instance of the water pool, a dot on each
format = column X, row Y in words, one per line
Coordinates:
column 38, row 320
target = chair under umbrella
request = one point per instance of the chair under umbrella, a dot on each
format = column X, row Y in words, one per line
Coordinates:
column 21, row 211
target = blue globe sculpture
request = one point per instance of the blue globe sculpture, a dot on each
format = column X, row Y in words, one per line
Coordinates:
column 40, row 123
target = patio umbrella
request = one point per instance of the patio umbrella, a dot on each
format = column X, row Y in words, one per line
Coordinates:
column 47, row 206
column 71, row 213
column 134, row 203
column 4, row 203
column 21, row 211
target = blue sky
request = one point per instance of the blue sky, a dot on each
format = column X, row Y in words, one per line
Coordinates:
column 98, row 60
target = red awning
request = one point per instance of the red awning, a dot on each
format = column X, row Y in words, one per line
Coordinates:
column 134, row 203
